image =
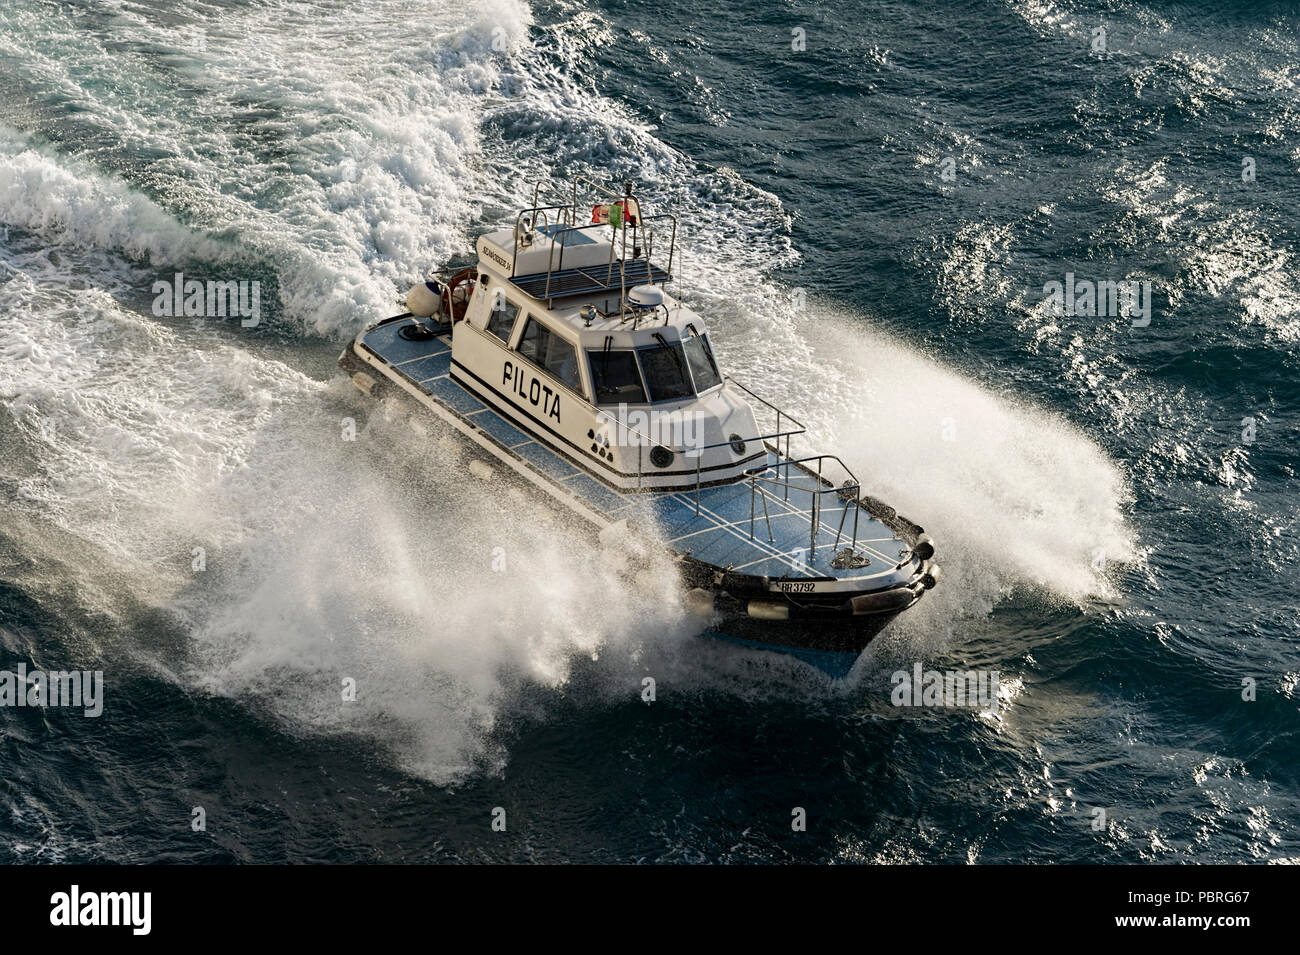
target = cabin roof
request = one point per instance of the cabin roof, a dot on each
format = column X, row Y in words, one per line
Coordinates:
column 564, row 262
column 570, row 317
column 594, row 281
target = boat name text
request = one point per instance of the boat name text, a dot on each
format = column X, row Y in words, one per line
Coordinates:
column 530, row 387
column 495, row 257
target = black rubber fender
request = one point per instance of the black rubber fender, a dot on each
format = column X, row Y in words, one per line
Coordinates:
column 885, row 601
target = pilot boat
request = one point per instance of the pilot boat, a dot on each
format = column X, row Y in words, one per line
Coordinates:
column 563, row 357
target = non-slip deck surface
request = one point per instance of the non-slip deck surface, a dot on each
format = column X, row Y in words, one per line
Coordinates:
column 718, row 534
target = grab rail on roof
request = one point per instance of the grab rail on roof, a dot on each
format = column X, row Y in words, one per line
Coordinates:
column 566, row 214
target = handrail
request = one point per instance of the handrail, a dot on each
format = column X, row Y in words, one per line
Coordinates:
column 672, row 238
column 821, row 488
column 780, row 413
column 537, row 191
column 599, row 187
column 532, row 223
column 760, row 398
column 684, row 449
column 563, row 233
column 698, row 451
column 569, row 212
column 443, row 276
column 816, row 492
column 560, row 238
column 766, row 516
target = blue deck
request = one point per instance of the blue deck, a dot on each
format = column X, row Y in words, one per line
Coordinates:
column 718, row 534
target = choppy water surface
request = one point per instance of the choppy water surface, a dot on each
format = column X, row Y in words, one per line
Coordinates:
column 869, row 223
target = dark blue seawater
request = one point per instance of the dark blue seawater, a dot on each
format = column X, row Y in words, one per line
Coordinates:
column 873, row 198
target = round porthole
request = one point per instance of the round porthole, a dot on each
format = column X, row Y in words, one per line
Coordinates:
column 737, row 444
column 660, row 456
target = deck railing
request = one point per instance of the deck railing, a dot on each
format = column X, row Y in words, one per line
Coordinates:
column 850, row 492
column 813, row 466
column 781, row 414
column 692, row 450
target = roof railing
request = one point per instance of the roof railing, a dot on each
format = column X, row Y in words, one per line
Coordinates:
column 532, row 214
column 566, row 220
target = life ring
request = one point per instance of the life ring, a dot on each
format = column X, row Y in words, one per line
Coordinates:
column 456, row 298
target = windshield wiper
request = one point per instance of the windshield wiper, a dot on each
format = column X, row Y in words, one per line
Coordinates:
column 677, row 359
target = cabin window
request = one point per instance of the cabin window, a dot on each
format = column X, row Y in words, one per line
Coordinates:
column 548, row 350
column 615, row 377
column 665, row 371
column 501, row 319
column 703, row 368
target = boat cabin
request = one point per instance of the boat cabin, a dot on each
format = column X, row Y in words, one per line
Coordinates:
column 569, row 330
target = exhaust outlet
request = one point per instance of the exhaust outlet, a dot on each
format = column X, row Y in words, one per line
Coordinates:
column 699, row 602
column 767, row 610
column 365, row 384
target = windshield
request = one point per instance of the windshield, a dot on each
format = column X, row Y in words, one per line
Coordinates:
column 615, row 377
column 703, row 368
column 664, row 366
